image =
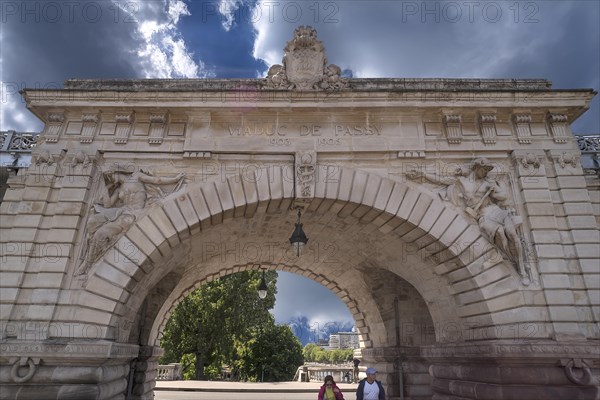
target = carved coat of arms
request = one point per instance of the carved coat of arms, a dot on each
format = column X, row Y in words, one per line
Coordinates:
column 305, row 65
column 304, row 59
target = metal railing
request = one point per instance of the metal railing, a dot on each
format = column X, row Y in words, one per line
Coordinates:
column 16, row 148
column 16, row 142
column 589, row 145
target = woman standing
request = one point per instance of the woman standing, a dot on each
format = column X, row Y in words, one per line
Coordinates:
column 329, row 390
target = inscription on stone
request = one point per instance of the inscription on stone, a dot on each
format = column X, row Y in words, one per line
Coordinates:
column 357, row 130
column 257, row 130
column 304, row 130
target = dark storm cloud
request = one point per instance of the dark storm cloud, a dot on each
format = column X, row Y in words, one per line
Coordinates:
column 556, row 40
column 42, row 46
column 46, row 42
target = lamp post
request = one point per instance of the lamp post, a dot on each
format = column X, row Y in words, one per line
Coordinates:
column 298, row 239
column 262, row 287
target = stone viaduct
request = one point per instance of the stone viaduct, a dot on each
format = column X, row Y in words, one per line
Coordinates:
column 451, row 216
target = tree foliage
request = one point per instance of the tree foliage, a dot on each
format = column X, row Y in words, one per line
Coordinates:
column 313, row 353
column 273, row 355
column 210, row 321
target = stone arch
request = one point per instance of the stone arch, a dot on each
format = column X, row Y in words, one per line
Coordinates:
column 436, row 234
column 354, row 308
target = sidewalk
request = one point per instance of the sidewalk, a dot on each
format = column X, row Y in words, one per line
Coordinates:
column 219, row 386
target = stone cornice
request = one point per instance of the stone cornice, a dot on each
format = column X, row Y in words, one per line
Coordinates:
column 239, row 106
column 244, row 98
column 75, row 349
column 524, row 349
column 512, row 351
column 356, row 84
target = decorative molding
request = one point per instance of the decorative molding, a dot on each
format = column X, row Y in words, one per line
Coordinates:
column 453, row 128
column 558, row 117
column 56, row 117
column 43, row 157
column 81, row 158
column 197, row 154
column 586, row 378
column 90, row 118
column 558, row 127
column 159, row 118
column 411, row 154
column 158, row 127
column 567, row 159
column 90, row 125
column 22, row 362
column 72, row 349
column 541, row 352
column 530, row 160
column 53, row 126
column 488, row 128
column 523, row 127
column 306, row 165
column 125, row 118
column 551, row 350
column 124, row 127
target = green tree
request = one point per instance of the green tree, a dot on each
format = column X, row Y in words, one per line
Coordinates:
column 308, row 351
column 209, row 321
column 313, row 353
column 272, row 355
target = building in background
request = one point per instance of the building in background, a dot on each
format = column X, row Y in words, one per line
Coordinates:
column 344, row 340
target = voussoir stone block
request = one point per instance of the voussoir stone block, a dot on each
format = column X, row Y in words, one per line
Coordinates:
column 176, row 219
column 164, row 224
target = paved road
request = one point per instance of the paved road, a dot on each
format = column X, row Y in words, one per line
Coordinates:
column 218, row 390
column 173, row 395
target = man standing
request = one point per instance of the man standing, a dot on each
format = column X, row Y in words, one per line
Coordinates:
column 370, row 388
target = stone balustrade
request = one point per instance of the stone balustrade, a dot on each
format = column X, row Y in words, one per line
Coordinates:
column 171, row 372
column 318, row 372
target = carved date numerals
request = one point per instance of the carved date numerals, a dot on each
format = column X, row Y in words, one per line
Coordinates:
column 329, row 141
column 280, row 142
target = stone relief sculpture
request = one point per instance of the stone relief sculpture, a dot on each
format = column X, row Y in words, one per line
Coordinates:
column 567, row 159
column 531, row 161
column 305, row 65
column 488, row 202
column 305, row 172
column 276, row 78
column 124, row 196
column 44, row 158
column 81, row 158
